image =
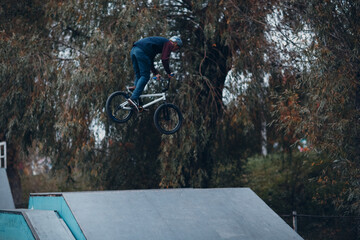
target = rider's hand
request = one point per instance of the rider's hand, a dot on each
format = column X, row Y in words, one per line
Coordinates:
column 158, row 76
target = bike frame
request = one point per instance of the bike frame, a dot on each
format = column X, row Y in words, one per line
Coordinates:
column 161, row 97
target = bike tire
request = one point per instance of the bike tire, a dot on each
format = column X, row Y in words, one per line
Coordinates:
column 168, row 118
column 118, row 108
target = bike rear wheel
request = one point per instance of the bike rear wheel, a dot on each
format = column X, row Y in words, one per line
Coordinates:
column 168, row 118
column 118, row 108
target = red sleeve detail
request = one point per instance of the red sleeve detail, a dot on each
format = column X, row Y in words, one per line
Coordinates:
column 165, row 56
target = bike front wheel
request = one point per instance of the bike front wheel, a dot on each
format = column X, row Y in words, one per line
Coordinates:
column 168, row 118
column 118, row 108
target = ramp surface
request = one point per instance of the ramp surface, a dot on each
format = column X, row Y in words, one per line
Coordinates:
column 6, row 198
column 233, row 213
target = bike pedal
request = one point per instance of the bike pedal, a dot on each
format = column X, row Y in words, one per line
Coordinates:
column 141, row 109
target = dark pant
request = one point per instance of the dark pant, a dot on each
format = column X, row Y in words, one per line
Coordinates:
column 141, row 64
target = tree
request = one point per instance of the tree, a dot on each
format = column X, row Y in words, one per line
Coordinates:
column 219, row 36
column 26, row 75
column 99, row 36
column 60, row 60
column 329, row 85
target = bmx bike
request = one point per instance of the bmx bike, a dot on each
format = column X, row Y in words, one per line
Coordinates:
column 167, row 117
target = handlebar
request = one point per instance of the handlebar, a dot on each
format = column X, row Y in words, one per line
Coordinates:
column 168, row 82
column 172, row 74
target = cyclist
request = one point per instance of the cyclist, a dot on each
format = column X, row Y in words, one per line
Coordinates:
column 142, row 56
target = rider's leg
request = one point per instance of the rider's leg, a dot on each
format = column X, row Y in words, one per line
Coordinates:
column 135, row 65
column 143, row 64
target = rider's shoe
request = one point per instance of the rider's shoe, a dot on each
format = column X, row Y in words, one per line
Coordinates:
column 133, row 104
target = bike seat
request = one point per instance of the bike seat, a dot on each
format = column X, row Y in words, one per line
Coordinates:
column 130, row 88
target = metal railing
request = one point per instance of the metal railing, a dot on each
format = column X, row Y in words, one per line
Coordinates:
column 3, row 155
column 311, row 226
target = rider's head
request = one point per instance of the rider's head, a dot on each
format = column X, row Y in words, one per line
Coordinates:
column 177, row 41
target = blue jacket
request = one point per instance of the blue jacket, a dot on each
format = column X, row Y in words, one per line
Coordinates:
column 153, row 46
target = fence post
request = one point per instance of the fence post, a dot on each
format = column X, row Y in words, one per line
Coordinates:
column 294, row 214
column 3, row 155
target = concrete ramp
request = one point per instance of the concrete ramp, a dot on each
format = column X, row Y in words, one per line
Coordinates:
column 6, row 198
column 26, row 224
column 232, row 213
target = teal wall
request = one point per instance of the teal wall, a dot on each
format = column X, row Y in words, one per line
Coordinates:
column 57, row 203
column 13, row 227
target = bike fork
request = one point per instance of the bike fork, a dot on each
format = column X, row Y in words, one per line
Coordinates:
column 166, row 113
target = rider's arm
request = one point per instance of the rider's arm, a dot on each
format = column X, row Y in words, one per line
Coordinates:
column 165, row 56
column 153, row 70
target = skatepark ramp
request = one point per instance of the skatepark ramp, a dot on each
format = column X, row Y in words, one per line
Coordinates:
column 6, row 198
column 33, row 224
column 224, row 213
